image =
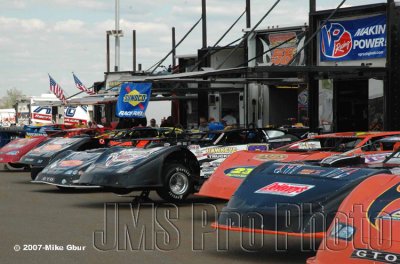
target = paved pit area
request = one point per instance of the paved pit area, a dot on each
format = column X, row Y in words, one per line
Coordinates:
column 42, row 224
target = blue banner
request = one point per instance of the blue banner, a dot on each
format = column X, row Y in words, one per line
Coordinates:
column 357, row 39
column 133, row 100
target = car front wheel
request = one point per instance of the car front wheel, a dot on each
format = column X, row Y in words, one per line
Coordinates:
column 177, row 184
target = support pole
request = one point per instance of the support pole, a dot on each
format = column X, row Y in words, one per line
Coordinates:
column 248, row 14
column 108, row 51
column 173, row 48
column 134, row 50
column 204, row 22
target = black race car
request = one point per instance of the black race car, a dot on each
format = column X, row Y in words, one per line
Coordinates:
column 39, row 157
column 173, row 171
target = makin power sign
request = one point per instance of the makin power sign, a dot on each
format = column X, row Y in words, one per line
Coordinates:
column 356, row 39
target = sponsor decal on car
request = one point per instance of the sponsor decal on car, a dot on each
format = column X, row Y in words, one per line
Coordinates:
column 284, row 189
column 258, row 147
column 264, row 157
column 218, row 156
column 239, row 172
column 391, row 216
column 55, row 145
column 126, row 155
column 374, row 255
column 381, row 203
column 375, row 157
column 48, row 179
column 18, row 143
column 287, row 169
column 70, row 163
column 309, row 172
column 221, row 150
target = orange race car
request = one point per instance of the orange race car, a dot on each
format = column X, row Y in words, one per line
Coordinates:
column 230, row 174
column 366, row 228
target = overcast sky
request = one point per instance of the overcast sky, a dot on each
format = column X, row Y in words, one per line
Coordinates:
column 60, row 36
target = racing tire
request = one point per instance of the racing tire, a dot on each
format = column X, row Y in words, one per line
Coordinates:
column 178, row 183
column 34, row 172
column 121, row 191
column 16, row 165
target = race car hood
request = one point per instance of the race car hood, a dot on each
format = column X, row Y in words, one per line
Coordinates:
column 13, row 151
column 67, row 167
column 274, row 189
column 41, row 156
column 222, row 185
column 115, row 167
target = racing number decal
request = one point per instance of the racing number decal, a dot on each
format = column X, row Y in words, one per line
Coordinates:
column 239, row 172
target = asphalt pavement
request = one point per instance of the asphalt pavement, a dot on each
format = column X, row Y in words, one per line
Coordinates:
column 42, row 224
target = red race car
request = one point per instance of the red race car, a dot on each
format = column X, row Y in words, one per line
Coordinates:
column 230, row 174
column 12, row 152
column 366, row 228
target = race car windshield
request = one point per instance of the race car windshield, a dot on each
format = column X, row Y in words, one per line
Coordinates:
column 334, row 144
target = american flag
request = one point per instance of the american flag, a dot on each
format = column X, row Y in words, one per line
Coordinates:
column 82, row 87
column 57, row 90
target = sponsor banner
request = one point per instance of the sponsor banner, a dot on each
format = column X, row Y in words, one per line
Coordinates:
column 284, row 189
column 41, row 117
column 74, row 114
column 133, row 100
column 293, row 41
column 356, row 39
column 41, row 114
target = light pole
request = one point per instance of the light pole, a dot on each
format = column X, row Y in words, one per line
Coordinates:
column 117, row 53
column 117, row 33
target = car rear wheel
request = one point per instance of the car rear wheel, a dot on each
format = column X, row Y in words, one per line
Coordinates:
column 177, row 184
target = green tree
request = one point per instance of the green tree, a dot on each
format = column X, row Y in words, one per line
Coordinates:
column 11, row 97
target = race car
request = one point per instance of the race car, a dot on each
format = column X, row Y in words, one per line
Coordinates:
column 173, row 171
column 211, row 149
column 230, row 174
column 366, row 228
column 59, row 171
column 301, row 199
column 39, row 157
column 84, row 139
column 65, row 168
column 29, row 137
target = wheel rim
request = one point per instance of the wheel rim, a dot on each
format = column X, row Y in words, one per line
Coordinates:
column 178, row 183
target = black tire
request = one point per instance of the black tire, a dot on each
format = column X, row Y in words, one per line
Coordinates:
column 35, row 171
column 121, row 191
column 178, row 183
column 16, row 165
